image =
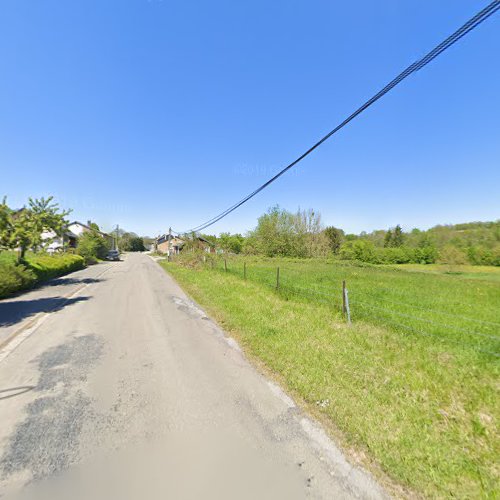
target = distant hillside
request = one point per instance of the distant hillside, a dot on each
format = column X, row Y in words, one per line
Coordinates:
column 470, row 242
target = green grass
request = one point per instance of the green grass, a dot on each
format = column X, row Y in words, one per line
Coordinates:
column 35, row 268
column 423, row 409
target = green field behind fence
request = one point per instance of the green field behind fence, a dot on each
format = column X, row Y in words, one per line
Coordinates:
column 412, row 384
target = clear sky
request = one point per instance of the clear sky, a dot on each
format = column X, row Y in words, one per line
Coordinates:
column 157, row 113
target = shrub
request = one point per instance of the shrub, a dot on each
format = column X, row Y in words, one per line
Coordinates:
column 361, row 250
column 35, row 268
column 50, row 266
column 92, row 246
column 14, row 278
column 452, row 255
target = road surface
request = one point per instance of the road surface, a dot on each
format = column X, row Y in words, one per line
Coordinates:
column 113, row 384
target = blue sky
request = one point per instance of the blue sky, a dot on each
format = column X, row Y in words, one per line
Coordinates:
column 157, row 113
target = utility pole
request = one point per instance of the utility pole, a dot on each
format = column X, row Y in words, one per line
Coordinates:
column 116, row 237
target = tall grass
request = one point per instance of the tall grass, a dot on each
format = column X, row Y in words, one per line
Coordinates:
column 424, row 408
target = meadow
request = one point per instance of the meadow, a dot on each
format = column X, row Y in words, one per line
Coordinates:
column 410, row 388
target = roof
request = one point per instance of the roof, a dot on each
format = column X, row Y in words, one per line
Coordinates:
column 88, row 227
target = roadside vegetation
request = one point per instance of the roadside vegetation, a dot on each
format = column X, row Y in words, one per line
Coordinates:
column 25, row 235
column 15, row 276
column 410, row 387
column 280, row 233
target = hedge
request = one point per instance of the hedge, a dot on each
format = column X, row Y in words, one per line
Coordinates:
column 36, row 268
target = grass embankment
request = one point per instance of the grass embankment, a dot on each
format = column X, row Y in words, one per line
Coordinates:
column 15, row 277
column 421, row 408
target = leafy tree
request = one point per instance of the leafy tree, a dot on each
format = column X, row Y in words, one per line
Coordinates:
column 388, row 239
column 5, row 225
column 361, row 250
column 281, row 233
column 22, row 229
column 92, row 246
column 136, row 244
column 232, row 243
column 335, row 238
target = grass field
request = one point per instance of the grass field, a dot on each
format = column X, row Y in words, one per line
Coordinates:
column 410, row 388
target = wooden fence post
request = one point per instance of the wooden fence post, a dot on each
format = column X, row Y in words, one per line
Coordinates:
column 277, row 278
column 225, row 265
column 244, row 270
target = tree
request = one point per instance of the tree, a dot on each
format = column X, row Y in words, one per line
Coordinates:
column 92, row 246
column 232, row 243
column 22, row 229
column 5, row 225
column 281, row 233
column 398, row 238
column 388, row 239
column 395, row 238
column 335, row 238
column 136, row 244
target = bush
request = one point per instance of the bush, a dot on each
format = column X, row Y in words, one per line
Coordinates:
column 452, row 255
column 15, row 277
column 481, row 256
column 46, row 266
column 92, row 247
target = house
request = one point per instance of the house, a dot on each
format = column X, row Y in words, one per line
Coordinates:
column 162, row 245
column 177, row 244
column 69, row 238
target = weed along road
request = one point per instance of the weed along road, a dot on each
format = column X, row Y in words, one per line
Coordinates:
column 113, row 384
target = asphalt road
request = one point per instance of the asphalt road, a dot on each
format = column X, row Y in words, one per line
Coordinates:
column 113, row 384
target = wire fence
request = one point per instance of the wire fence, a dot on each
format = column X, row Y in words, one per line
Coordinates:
column 359, row 305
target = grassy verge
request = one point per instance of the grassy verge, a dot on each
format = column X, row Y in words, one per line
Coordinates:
column 422, row 411
column 36, row 268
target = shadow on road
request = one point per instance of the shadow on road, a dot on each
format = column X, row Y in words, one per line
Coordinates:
column 71, row 281
column 16, row 311
column 15, row 391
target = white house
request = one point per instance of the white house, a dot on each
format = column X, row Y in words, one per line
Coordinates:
column 69, row 238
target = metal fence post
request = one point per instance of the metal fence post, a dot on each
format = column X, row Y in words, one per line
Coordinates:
column 345, row 303
column 277, row 278
column 343, row 297
column 347, row 307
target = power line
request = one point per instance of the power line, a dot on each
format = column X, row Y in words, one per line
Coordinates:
column 416, row 66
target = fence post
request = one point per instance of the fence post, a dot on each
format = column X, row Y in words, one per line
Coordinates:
column 343, row 297
column 225, row 265
column 244, row 270
column 345, row 303
column 348, row 310
column 277, row 278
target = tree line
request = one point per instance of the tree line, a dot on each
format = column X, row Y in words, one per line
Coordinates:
column 280, row 233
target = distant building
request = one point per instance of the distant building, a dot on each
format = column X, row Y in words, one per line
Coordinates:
column 69, row 238
column 177, row 244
